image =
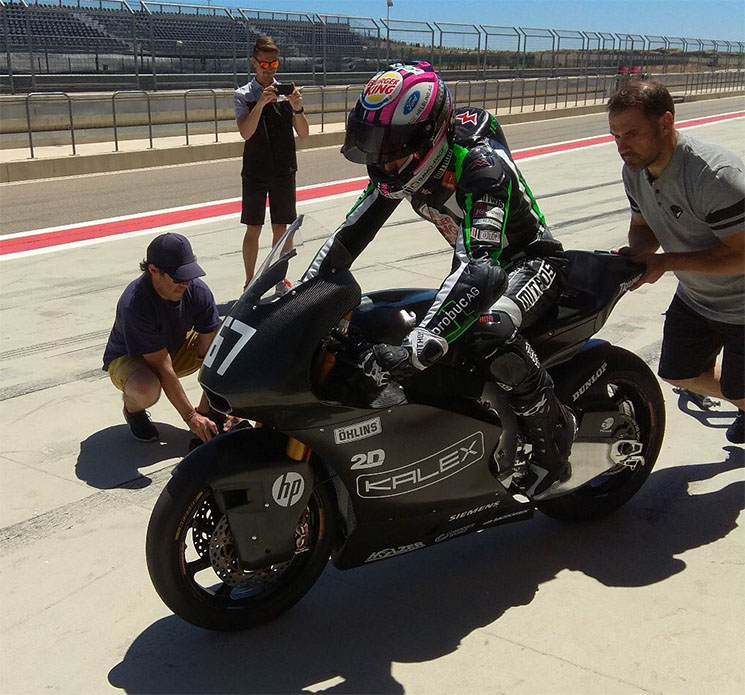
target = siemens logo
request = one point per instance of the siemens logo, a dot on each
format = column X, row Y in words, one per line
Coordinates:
column 476, row 510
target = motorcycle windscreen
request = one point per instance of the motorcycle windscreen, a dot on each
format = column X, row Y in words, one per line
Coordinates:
column 259, row 364
column 370, row 142
column 272, row 276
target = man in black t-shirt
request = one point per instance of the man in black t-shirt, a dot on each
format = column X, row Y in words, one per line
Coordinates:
column 165, row 322
column 266, row 120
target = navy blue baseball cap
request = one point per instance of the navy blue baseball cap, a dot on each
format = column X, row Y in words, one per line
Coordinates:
column 172, row 254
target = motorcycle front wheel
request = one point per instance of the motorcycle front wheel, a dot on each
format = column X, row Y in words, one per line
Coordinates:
column 193, row 565
column 629, row 387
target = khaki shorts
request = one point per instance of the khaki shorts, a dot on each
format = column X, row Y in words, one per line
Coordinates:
column 186, row 361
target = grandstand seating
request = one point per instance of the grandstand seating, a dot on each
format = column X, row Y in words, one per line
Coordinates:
column 85, row 29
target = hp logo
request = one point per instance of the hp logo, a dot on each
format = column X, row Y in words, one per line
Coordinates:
column 288, row 489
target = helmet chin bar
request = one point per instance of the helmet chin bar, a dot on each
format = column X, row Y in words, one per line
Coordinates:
column 409, row 179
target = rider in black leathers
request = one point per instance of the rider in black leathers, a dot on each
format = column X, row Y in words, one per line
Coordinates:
column 455, row 168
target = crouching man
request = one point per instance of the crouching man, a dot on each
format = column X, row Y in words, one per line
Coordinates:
column 165, row 322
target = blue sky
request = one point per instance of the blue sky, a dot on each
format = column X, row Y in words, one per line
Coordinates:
column 703, row 19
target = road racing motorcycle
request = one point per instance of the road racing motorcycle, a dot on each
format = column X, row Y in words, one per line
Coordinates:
column 337, row 467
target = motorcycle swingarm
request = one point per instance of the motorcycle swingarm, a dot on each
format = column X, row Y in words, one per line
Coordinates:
column 261, row 491
column 599, row 448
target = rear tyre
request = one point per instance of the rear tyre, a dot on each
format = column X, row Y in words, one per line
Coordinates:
column 628, row 386
column 192, row 562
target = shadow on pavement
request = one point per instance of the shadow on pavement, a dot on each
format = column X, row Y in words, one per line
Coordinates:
column 111, row 458
column 718, row 419
column 344, row 636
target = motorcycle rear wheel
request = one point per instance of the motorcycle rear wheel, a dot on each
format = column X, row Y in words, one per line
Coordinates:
column 192, row 563
column 633, row 390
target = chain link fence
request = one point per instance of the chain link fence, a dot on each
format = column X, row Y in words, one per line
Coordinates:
column 112, row 44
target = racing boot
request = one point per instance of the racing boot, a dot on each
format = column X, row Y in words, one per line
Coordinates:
column 550, row 428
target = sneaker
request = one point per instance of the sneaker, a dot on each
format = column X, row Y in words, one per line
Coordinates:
column 736, row 431
column 141, row 426
column 282, row 288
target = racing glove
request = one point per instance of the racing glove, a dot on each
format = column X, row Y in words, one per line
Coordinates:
column 424, row 347
column 420, row 349
column 372, row 369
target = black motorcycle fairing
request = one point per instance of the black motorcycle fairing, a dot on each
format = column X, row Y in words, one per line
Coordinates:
column 379, row 317
column 259, row 365
column 260, row 490
column 380, row 540
column 410, row 485
column 596, row 280
column 411, row 496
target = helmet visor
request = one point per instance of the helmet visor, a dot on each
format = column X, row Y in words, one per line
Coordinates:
column 378, row 143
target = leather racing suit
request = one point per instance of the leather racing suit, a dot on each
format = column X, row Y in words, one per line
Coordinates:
column 482, row 206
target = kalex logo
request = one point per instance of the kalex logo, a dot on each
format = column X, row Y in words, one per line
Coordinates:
column 381, row 90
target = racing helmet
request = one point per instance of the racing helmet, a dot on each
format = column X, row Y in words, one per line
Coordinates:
column 402, row 112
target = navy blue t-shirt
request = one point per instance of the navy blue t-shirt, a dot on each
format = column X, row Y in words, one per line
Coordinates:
column 146, row 323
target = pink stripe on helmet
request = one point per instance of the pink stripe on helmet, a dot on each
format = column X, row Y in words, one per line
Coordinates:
column 384, row 116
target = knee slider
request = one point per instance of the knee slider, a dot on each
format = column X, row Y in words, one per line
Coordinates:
column 510, row 368
column 491, row 334
column 500, row 326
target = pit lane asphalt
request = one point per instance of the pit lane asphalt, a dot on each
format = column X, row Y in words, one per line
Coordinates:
column 648, row 600
column 54, row 202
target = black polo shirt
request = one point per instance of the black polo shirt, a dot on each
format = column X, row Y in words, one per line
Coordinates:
column 271, row 149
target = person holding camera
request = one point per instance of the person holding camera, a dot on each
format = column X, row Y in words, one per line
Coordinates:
column 266, row 113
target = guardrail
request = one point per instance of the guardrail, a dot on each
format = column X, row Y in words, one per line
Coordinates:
column 330, row 105
column 160, row 39
column 131, row 92
column 186, row 113
column 29, row 97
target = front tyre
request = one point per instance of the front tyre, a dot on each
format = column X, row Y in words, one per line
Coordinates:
column 626, row 385
column 193, row 566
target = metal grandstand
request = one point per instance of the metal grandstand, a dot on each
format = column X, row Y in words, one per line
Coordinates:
column 145, row 41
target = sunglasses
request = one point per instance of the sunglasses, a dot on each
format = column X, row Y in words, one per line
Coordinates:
column 171, row 278
column 266, row 64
